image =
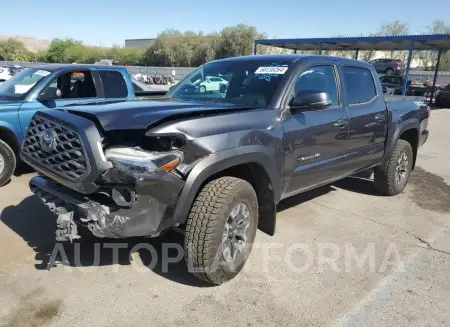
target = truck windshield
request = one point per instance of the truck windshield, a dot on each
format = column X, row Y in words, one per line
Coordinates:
column 18, row 87
column 246, row 82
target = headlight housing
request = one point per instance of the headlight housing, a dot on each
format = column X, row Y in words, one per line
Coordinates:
column 143, row 162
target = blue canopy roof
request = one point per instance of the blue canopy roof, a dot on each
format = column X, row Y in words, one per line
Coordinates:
column 401, row 42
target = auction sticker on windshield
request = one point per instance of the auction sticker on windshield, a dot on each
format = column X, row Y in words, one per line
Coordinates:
column 271, row 70
column 42, row 72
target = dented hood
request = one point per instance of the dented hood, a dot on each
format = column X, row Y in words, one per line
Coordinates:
column 140, row 114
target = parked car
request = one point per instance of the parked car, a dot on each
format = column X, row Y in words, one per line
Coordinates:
column 388, row 66
column 5, row 74
column 393, row 84
column 51, row 86
column 212, row 83
column 216, row 165
column 15, row 69
column 443, row 97
column 108, row 62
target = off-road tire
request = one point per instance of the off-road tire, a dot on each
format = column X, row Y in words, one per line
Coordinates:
column 205, row 225
column 384, row 175
column 9, row 159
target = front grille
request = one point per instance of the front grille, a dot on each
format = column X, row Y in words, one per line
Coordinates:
column 64, row 155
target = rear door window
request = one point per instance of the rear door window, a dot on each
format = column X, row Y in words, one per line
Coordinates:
column 359, row 85
column 114, row 84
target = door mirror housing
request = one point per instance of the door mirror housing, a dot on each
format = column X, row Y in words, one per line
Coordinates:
column 50, row 94
column 310, row 100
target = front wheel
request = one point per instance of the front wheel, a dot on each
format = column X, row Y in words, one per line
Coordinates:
column 392, row 176
column 7, row 162
column 202, row 89
column 221, row 229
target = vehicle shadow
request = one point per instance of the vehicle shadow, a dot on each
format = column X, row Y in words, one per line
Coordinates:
column 361, row 183
column 23, row 169
column 36, row 225
column 303, row 197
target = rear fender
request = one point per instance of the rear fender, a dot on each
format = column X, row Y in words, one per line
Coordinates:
column 397, row 130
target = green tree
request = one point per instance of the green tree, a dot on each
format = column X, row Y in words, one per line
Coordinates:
column 59, row 50
column 126, row 56
column 394, row 29
column 236, row 41
column 429, row 57
column 14, row 50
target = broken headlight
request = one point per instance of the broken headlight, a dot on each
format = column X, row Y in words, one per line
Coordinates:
column 143, row 162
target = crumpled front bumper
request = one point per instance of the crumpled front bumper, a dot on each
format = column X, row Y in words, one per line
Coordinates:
column 150, row 212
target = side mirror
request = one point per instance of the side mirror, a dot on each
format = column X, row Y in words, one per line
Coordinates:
column 50, row 94
column 310, row 100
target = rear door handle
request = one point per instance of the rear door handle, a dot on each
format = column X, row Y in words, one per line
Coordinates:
column 341, row 123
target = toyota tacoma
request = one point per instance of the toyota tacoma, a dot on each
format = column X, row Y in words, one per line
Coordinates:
column 215, row 164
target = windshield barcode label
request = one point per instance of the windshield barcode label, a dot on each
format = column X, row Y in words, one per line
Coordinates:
column 271, row 70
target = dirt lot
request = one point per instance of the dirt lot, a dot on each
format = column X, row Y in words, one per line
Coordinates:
column 400, row 276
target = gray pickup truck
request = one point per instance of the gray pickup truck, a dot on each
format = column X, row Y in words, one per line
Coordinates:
column 216, row 164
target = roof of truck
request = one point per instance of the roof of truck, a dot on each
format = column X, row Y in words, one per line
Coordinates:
column 55, row 67
column 295, row 58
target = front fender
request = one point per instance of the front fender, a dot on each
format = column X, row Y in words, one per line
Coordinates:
column 220, row 161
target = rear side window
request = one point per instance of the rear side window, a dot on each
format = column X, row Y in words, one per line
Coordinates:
column 359, row 85
column 114, row 84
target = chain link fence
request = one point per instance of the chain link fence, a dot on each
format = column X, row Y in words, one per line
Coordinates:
column 177, row 72
column 180, row 72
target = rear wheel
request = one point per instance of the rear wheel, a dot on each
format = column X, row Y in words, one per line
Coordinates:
column 7, row 162
column 221, row 229
column 392, row 176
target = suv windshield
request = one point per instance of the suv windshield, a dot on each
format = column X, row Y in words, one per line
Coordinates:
column 246, row 82
column 17, row 87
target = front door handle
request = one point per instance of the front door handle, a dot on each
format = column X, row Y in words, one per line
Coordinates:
column 379, row 117
column 341, row 123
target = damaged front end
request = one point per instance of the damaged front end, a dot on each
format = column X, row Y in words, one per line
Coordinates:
column 131, row 201
column 118, row 192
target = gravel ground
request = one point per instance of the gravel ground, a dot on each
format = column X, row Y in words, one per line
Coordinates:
column 306, row 275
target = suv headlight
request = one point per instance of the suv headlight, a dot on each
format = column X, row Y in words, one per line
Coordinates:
column 144, row 162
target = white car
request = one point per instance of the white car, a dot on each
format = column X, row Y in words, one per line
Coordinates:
column 213, row 83
column 5, row 74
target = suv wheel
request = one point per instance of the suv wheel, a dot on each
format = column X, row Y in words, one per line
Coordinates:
column 221, row 229
column 389, row 72
column 7, row 162
column 392, row 176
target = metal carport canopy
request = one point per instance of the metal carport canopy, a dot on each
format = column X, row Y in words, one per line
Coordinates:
column 438, row 42
column 380, row 43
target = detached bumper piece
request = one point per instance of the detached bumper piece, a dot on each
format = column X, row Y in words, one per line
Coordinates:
column 106, row 213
